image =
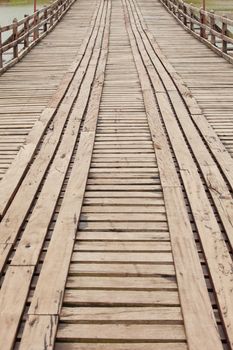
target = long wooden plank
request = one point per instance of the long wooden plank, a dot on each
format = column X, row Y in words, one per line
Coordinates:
column 28, row 251
column 23, row 199
column 40, row 333
column 11, row 182
column 133, row 283
column 51, row 189
column 218, row 252
column 58, row 256
column 216, row 147
column 120, row 346
column 103, row 314
column 183, row 244
column 12, row 299
column 114, row 332
column 121, row 269
column 215, row 182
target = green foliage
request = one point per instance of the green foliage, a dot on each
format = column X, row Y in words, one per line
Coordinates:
column 218, row 5
column 21, row 2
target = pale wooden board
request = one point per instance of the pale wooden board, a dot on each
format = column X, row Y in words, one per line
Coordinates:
column 122, row 314
column 123, row 332
column 121, row 346
column 26, row 89
column 58, row 256
column 12, row 301
column 40, row 333
column 193, row 319
column 117, row 272
column 31, row 182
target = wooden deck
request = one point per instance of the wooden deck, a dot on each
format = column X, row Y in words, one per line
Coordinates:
column 116, row 205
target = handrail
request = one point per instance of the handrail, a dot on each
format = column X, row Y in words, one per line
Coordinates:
column 27, row 32
column 208, row 27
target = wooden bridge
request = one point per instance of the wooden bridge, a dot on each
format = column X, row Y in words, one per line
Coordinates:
column 116, row 178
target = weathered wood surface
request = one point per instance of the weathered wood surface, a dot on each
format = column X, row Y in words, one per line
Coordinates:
column 208, row 77
column 213, row 30
column 117, row 231
column 22, row 35
column 28, row 87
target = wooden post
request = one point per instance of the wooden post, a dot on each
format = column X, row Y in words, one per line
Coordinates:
column 184, row 14
column 26, row 29
column 56, row 12
column 45, row 18
column 15, row 37
column 179, row 9
column 51, row 17
column 1, row 58
column 212, row 26
column 191, row 17
column 170, row 5
column 203, row 5
column 36, row 29
column 202, row 21
column 224, row 32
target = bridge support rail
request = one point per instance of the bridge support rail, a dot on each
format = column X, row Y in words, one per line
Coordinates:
column 208, row 27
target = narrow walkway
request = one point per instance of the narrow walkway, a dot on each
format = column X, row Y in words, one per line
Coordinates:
column 207, row 75
column 27, row 88
column 116, row 217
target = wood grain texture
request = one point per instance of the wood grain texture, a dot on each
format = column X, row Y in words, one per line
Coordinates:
column 117, row 231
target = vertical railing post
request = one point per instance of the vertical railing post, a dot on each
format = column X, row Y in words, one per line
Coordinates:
column 170, row 5
column 179, row 9
column 184, row 14
column 176, row 7
column 191, row 18
column 56, row 12
column 36, row 29
column 51, row 17
column 212, row 26
column 1, row 53
column 26, row 29
column 45, row 18
column 203, row 22
column 224, row 32
column 15, row 37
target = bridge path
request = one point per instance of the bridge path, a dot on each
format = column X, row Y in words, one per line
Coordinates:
column 26, row 88
column 207, row 75
column 116, row 215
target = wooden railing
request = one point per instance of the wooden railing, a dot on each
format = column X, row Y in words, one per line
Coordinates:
column 215, row 30
column 19, row 37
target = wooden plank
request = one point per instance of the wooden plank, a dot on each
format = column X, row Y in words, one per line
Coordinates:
column 59, row 253
column 39, row 333
column 121, row 269
column 121, row 346
column 124, row 235
column 95, row 245
column 116, row 332
column 51, row 189
column 130, row 283
column 194, row 322
column 15, row 174
column 27, row 191
column 30, row 256
column 103, row 314
column 11, row 300
column 137, row 257
column 216, row 146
